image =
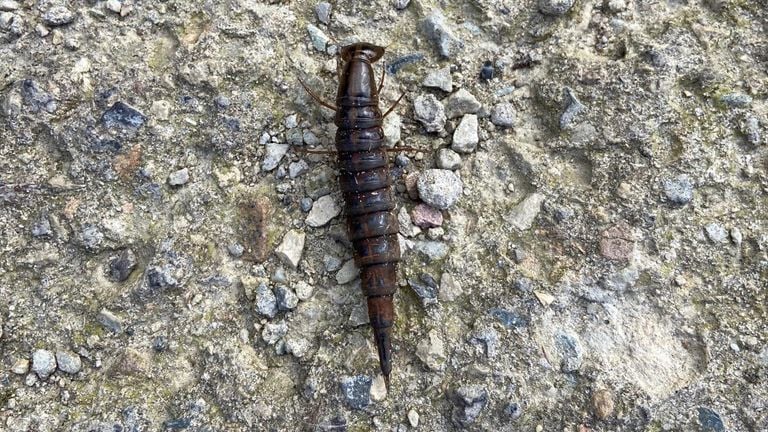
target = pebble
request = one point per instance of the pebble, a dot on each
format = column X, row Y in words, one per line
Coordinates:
column 413, row 418
column 42, row 228
column 573, row 107
column 131, row 362
column 20, row 366
column 114, row 5
column 448, row 159
column 348, row 272
column 513, row 410
column 120, row 114
column 400, row 4
column 679, row 190
column 323, row 210
column 110, row 321
column 440, row 188
column 36, row 98
column 555, row 7
column 710, row 420
column 323, row 11
column 297, row 347
column 431, row 351
column 273, row 332
column 178, row 178
column 320, row 41
column 296, row 169
column 440, row 78
column 450, row 288
column 275, row 153
column 525, row 212
column 432, row 250
column 266, row 302
column 9, row 5
column 507, row 318
column 716, row 233
column 617, row 242
column 68, row 362
column 407, row 228
column 378, row 387
column 331, row 263
column 402, row 161
column 736, row 100
column 356, row 391
column 310, row 138
column 487, row 337
column 121, row 266
column 503, row 115
column 303, row 290
column 91, row 237
column 437, row 31
column 460, row 103
column 465, row 136
column 469, row 402
column 161, row 277
column 58, row 16
column 426, row 291
column 569, row 349
column 305, row 204
column 160, row 344
column 425, row 216
column 430, row 113
column 286, row 299
column 43, row 363
column 736, row 236
column 392, row 126
column 751, row 130
column 291, row 248
column 602, row 403
column 236, row 250
column 291, row 121
column 295, row 137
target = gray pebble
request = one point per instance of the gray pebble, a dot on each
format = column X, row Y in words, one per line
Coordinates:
column 736, row 100
column 275, row 153
column 178, row 178
column 513, row 410
column 43, row 363
column 437, row 31
column 120, row 114
column 429, row 112
column 465, row 136
column 432, row 250
column 310, row 138
column 297, row 347
column 271, row 333
column 679, row 190
column 58, row 16
column 573, row 107
column 222, row 102
column 296, row 169
column 68, row 362
column 401, row 4
column 303, row 290
column 555, row 7
column 448, row 159
column 356, row 391
column 710, row 420
column 161, row 276
column 440, row 78
column 460, row 103
column 569, row 348
column 36, row 98
column 488, row 338
column 109, row 320
column 564, row 213
column 508, row 318
column 347, row 273
column 9, row 5
column 279, row 275
column 42, row 228
column 751, row 130
column 323, row 11
column 716, row 233
column 524, row 285
column 323, row 210
column 736, row 236
column 286, row 298
column 331, row 263
column 426, row 289
column 291, row 121
column 320, row 41
column 503, row 115
column 469, row 402
column 236, row 250
column 402, row 161
column 439, row 188
column 91, row 237
column 121, row 266
column 305, row 204
column 266, row 302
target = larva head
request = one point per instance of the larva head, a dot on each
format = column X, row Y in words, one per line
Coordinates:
column 362, row 51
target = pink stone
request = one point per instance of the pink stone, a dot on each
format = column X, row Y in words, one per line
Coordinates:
column 617, row 242
column 424, row 216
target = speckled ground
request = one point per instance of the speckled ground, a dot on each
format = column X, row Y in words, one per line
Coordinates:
column 590, row 254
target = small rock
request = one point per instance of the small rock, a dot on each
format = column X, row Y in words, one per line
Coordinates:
column 465, row 136
column 503, row 115
column 9, row 5
column 286, row 299
column 460, row 103
column 400, row 4
column 114, row 5
column 406, row 226
column 440, row 188
column 469, row 402
column 159, row 277
column 569, row 349
column 310, row 138
column 121, row 266
column 736, row 100
column 736, row 236
column 716, row 233
column 438, row 31
column 305, row 204
column 348, row 272
column 487, row 337
column 291, row 121
column 508, row 319
column 271, row 333
column 292, row 247
column 394, row 66
column 323, row 11
column 331, row 263
column 392, row 126
column 91, row 238
column 413, row 418
column 411, row 185
column 425, row 216
column 58, row 16
column 68, row 362
column 275, row 153
column 431, row 351
column 323, row 210
column 525, row 212
column 266, row 302
column 487, row 71
column 296, row 169
column 378, row 389
column 131, row 362
column 431, row 250
column 303, row 290
column 120, row 114
column 42, row 228
column 36, row 98
column 555, row 7
column 450, row 288
column 43, row 363
column 602, row 403
column 402, row 161
column 617, row 242
column 236, row 250
column 297, row 347
column 679, row 190
column 110, row 321
column 710, row 420
column 430, row 112
column 178, row 178
column 426, row 290
column 160, row 344
column 279, row 275
column 573, row 107
column 356, row 391
column 513, row 410
column 20, row 366
column 751, row 130
column 448, row 159
column 440, row 78
column 320, row 41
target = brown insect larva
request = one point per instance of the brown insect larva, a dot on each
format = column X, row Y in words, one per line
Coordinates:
column 365, row 183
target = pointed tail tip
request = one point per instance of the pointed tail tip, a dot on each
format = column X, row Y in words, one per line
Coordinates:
column 386, row 382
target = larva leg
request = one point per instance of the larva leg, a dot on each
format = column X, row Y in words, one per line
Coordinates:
column 317, row 98
column 393, row 105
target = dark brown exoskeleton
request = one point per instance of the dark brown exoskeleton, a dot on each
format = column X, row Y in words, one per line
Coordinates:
column 365, row 183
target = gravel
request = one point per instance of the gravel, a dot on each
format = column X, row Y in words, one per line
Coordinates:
column 430, row 113
column 460, row 103
column 323, row 12
column 356, row 391
column 121, row 266
column 437, row 30
column 440, row 188
column 469, row 402
column 273, row 332
column 465, row 136
column 716, row 233
column 58, row 16
column 679, row 190
column 323, row 211
column 266, row 302
column 347, row 273
column 291, row 248
column 275, row 153
column 503, row 115
column 178, row 178
column 573, row 109
column 43, row 363
column 68, row 362
column 440, row 78
column 448, row 159
column 286, row 298
column 555, row 7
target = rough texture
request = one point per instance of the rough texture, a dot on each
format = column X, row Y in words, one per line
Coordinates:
column 602, row 268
